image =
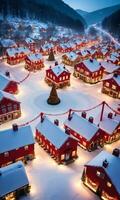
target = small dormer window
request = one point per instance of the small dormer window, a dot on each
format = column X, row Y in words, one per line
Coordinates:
column 26, row 147
column 109, row 184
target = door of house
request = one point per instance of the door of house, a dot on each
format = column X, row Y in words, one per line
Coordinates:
column 67, row 156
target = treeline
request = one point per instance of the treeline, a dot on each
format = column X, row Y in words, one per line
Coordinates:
column 35, row 9
column 112, row 24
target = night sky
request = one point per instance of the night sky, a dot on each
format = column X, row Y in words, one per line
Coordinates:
column 90, row 5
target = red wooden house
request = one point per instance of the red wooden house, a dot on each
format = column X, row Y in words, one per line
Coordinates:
column 64, row 48
column 16, row 144
column 110, row 128
column 113, row 59
column 34, row 62
column 110, row 68
column 84, row 130
column 84, row 54
column 7, row 84
column 30, row 43
column 5, row 44
column 15, row 177
column 111, row 86
column 46, row 49
column 17, row 55
column 58, row 75
column 90, row 71
column 105, row 53
column 102, row 175
column 9, row 107
column 55, row 141
column 70, row 58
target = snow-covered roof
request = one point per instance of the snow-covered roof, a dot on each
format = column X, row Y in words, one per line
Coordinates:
column 47, row 46
column 113, row 168
column 7, row 96
column 92, row 65
column 109, row 125
column 115, row 78
column 52, row 132
column 10, row 140
column 112, row 58
column 72, row 56
column 8, row 43
column 35, row 57
column 29, row 40
column 13, row 51
column 4, row 81
column 84, row 52
column 82, row 126
column 109, row 67
column 12, row 177
column 59, row 69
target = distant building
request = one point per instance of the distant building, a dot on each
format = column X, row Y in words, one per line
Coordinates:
column 61, row 146
column 13, row 181
column 111, row 86
column 34, row 62
column 102, row 175
column 30, row 43
column 9, row 107
column 17, row 55
column 90, row 71
column 46, row 49
column 5, row 44
column 16, row 144
column 70, row 58
column 58, row 75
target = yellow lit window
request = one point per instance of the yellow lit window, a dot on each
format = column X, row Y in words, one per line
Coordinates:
column 109, row 184
column 107, row 84
column 26, row 147
column 6, row 154
column 73, row 153
column 62, row 157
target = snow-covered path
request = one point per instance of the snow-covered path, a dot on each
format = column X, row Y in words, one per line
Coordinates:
column 48, row 180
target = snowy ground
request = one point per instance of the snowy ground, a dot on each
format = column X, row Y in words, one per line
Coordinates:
column 48, row 180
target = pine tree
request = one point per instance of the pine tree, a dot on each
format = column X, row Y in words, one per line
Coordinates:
column 53, row 98
column 51, row 56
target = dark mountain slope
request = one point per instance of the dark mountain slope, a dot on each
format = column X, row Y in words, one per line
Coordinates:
column 55, row 11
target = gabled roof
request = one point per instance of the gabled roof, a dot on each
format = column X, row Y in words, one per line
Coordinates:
column 92, row 65
column 109, row 125
column 82, row 126
column 59, row 69
column 10, row 140
column 47, row 46
column 18, row 50
column 109, row 67
column 7, row 43
column 29, row 40
column 7, row 96
column 72, row 56
column 4, row 81
column 12, row 177
column 111, row 76
column 52, row 132
column 113, row 168
column 35, row 57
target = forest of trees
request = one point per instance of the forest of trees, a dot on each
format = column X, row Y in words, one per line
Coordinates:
column 44, row 10
column 112, row 24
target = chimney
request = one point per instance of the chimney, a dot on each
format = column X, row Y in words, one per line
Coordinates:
column 67, row 131
column 110, row 115
column 42, row 117
column 91, row 119
column 91, row 60
column 15, row 127
column 84, row 114
column 116, row 152
column 115, row 75
column 70, row 115
column 105, row 163
column 56, row 122
column 56, row 63
column 7, row 73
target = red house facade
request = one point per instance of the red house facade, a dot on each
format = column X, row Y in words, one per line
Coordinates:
column 102, row 175
column 90, row 71
column 111, row 86
column 30, row 43
column 84, row 130
column 9, row 107
column 16, row 144
column 34, row 62
column 110, row 128
column 7, row 84
column 58, row 75
column 17, row 55
column 70, row 58
column 56, row 142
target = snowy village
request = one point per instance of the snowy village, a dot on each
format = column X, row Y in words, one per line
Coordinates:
column 59, row 107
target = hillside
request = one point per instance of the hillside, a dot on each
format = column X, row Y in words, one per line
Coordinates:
column 44, row 10
column 112, row 24
column 82, row 12
column 99, row 15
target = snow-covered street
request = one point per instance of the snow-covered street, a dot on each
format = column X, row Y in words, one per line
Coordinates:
column 48, row 180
